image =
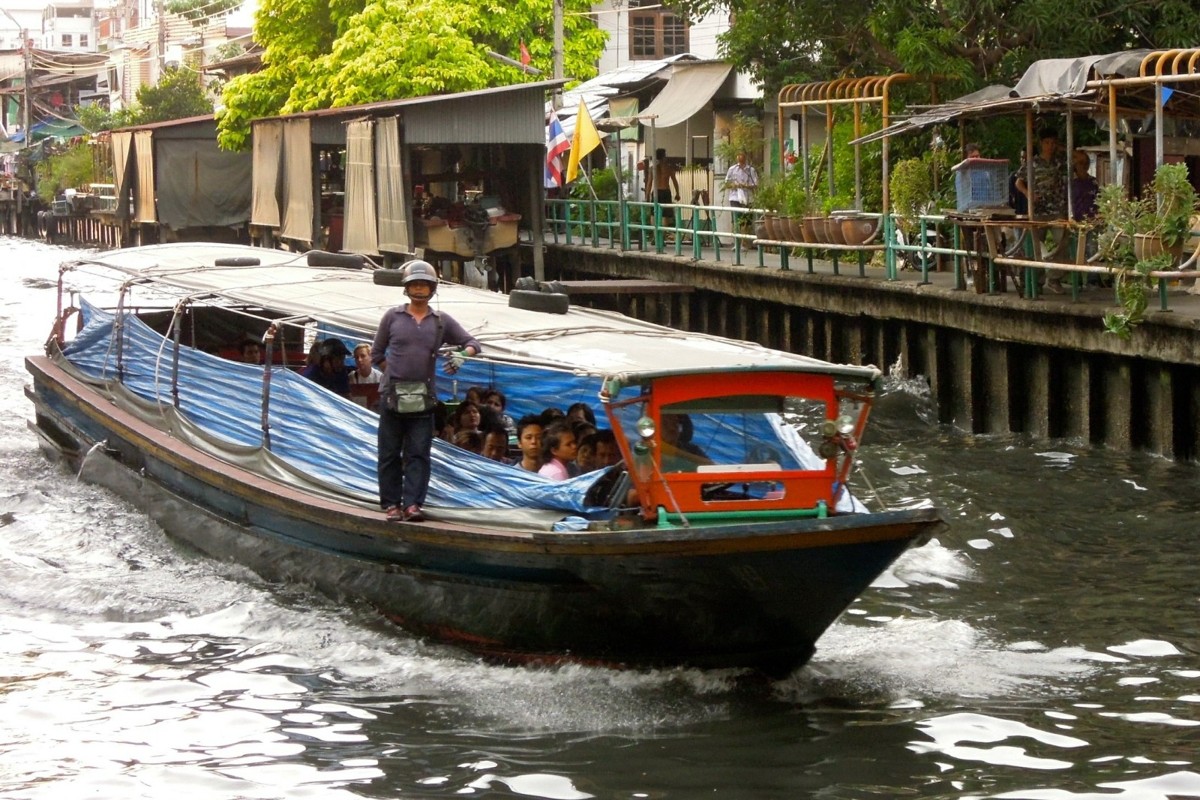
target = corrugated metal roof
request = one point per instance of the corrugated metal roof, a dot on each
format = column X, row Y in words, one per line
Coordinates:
column 583, row 340
column 503, row 115
column 595, row 92
column 171, row 123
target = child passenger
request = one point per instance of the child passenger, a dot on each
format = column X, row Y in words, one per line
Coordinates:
column 558, row 451
column 529, row 439
column 585, row 456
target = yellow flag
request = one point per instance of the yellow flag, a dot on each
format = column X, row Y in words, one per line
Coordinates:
column 585, row 140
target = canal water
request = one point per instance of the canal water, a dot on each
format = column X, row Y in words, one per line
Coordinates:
column 1044, row 646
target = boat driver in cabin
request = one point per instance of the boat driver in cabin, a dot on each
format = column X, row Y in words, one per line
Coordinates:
column 407, row 342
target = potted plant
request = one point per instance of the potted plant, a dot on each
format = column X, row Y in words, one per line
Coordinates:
column 770, row 198
column 1167, row 222
column 831, row 206
column 1143, row 235
column 797, row 205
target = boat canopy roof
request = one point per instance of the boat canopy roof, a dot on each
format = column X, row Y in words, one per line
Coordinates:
column 582, row 341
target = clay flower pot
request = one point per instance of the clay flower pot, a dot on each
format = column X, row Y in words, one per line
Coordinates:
column 833, row 230
column 795, row 227
column 1149, row 245
column 813, row 229
column 859, row 230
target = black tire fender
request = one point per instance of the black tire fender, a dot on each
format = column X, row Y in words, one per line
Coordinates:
column 388, row 277
column 539, row 301
column 321, row 258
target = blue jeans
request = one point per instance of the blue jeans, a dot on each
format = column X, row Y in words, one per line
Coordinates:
column 404, row 444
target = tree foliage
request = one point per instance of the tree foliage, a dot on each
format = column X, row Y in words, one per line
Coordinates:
column 96, row 118
column 69, row 169
column 347, row 52
column 177, row 95
column 967, row 42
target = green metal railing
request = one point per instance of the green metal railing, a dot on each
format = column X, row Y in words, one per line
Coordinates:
column 673, row 230
column 645, row 226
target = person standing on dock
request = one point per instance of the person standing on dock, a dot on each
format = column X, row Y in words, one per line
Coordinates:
column 660, row 177
column 741, row 181
column 408, row 340
column 1049, row 199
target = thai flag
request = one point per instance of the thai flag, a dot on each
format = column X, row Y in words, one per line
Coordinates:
column 557, row 144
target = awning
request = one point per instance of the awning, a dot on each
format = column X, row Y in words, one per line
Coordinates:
column 954, row 110
column 47, row 129
column 691, row 86
column 1053, row 84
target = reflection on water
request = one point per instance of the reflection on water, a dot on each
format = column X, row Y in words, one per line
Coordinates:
column 1044, row 646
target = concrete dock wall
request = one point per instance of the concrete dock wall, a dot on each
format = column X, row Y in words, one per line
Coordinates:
column 995, row 364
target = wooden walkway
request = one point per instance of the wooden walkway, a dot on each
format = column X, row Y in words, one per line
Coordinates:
column 1181, row 303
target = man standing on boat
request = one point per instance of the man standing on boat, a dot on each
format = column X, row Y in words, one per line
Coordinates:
column 407, row 341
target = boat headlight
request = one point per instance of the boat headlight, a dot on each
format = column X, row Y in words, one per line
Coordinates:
column 829, row 428
column 845, row 424
column 646, row 427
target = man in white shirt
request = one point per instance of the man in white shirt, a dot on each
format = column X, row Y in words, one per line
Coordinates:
column 741, row 180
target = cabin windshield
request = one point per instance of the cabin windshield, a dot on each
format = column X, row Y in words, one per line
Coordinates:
column 739, row 432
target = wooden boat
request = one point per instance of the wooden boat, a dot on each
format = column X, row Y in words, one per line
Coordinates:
column 743, row 546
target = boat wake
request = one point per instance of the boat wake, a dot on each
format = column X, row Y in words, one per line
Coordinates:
column 911, row 661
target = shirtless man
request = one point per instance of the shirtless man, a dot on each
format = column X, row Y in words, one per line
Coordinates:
column 660, row 174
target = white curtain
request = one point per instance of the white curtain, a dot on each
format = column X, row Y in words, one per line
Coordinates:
column 143, row 145
column 389, row 188
column 358, row 232
column 297, row 181
column 264, row 203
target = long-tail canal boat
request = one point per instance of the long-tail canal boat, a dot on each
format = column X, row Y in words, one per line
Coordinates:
column 728, row 536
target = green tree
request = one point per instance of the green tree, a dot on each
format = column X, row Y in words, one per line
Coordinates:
column 95, row 118
column 71, row 169
column 177, row 95
column 329, row 54
column 968, row 42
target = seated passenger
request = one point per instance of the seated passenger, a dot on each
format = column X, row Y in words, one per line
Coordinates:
column 495, row 444
column 529, row 439
column 441, row 422
column 474, row 395
column 607, row 452
column 466, row 417
column 364, row 372
column 582, row 411
column 314, row 354
column 330, row 370
column 469, row 440
column 495, row 399
column 581, row 429
column 365, row 379
column 679, row 453
column 250, row 351
column 558, row 452
column 585, row 456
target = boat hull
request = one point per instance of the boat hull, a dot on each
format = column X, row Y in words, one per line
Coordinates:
column 752, row 595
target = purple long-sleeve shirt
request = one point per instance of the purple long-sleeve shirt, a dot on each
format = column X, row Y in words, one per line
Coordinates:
column 409, row 348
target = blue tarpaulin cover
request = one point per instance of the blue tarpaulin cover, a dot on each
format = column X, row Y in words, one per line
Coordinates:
column 317, row 432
